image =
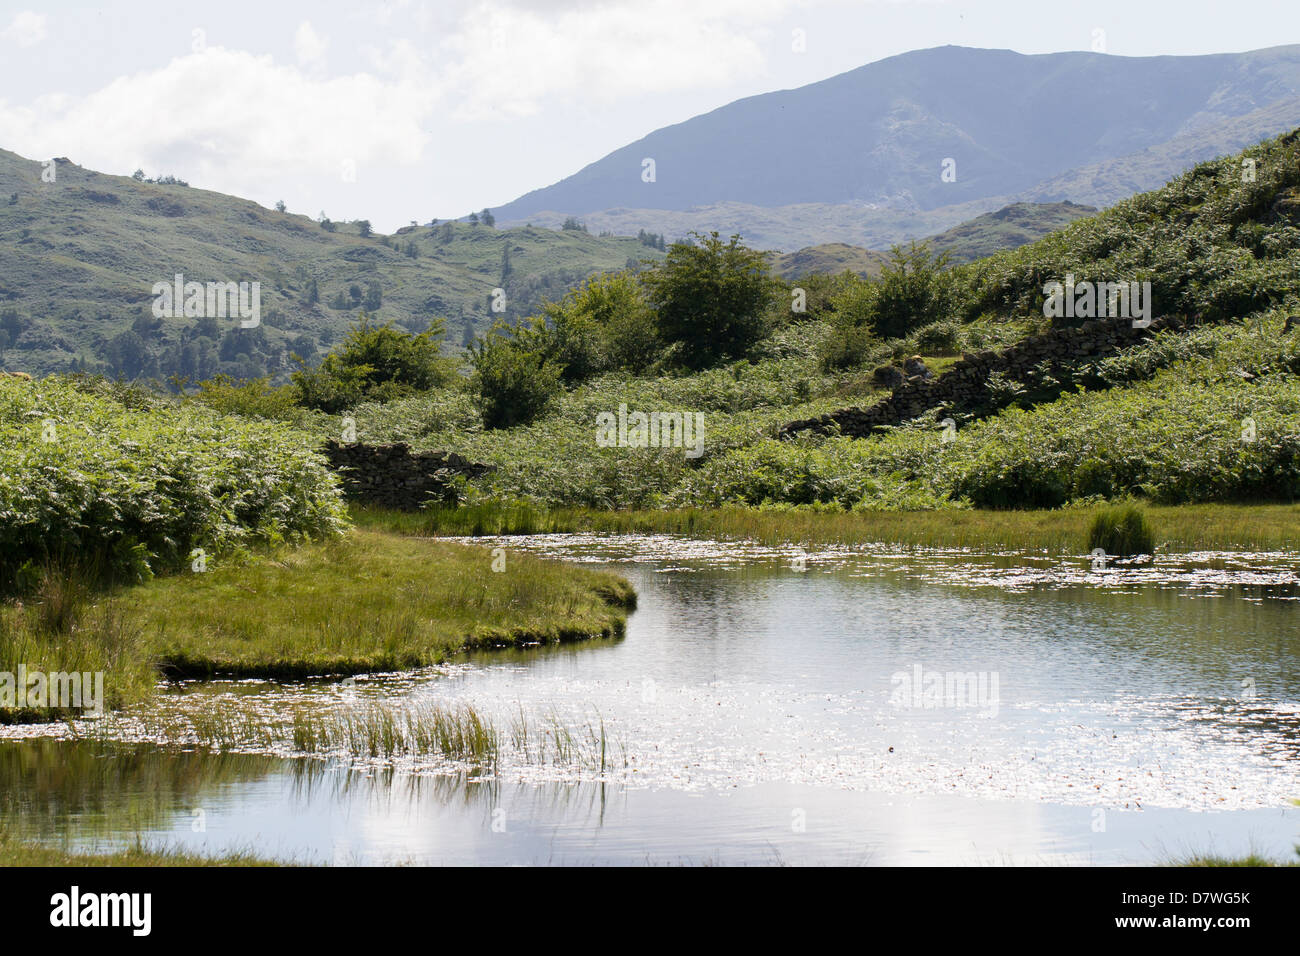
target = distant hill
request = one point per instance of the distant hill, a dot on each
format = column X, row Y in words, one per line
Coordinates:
column 79, row 257
column 858, row 157
column 1007, row 228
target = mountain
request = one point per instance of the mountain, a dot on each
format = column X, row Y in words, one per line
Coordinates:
column 871, row 144
column 79, row 257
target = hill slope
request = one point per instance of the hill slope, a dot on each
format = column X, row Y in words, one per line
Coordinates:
column 1008, row 228
column 79, row 258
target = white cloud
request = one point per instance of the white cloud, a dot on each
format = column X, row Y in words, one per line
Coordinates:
column 507, row 57
column 228, row 120
column 26, row 29
column 309, row 45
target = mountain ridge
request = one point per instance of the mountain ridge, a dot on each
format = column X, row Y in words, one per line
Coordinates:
column 878, row 136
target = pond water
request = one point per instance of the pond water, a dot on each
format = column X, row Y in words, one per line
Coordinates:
column 870, row 705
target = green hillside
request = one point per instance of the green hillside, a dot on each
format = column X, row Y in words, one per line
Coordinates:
column 79, row 258
column 1206, row 409
column 1008, row 228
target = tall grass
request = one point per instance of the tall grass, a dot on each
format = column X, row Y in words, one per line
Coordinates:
column 1122, row 531
column 64, row 626
column 459, row 732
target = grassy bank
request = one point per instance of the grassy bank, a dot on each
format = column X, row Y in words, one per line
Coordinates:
column 366, row 602
column 1179, row 528
column 16, row 853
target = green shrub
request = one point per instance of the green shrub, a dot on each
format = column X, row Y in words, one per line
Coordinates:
column 913, row 290
column 939, row 338
column 602, row 325
column 513, row 377
column 374, row 363
column 252, row 398
column 848, row 347
column 851, row 341
column 1122, row 531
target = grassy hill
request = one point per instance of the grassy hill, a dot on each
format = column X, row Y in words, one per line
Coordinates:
column 1008, row 228
column 79, row 257
column 1206, row 411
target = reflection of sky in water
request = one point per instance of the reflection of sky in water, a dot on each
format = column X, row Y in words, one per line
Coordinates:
column 746, row 691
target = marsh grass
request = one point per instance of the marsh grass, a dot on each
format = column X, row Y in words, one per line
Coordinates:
column 1251, row 859
column 365, row 603
column 14, row 852
column 368, row 602
column 1122, row 531
column 459, row 732
column 65, row 626
column 1271, row 527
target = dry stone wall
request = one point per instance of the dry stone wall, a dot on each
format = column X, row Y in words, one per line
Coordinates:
column 395, row 477
column 963, row 388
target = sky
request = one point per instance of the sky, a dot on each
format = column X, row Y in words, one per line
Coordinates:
column 405, row 111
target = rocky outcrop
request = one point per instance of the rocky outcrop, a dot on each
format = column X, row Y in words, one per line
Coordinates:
column 963, row 389
column 395, row 477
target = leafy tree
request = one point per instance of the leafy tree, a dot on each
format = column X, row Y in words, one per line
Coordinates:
column 711, row 298
column 374, row 363
column 280, row 206
column 851, row 309
column 128, row 354
column 374, row 297
column 364, row 228
column 473, row 219
column 915, row 289
column 602, row 325
column 487, row 218
column 513, row 376
column 312, row 293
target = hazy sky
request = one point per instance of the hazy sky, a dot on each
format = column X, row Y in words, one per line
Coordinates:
column 408, row 110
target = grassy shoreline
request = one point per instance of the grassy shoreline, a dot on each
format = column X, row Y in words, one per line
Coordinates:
column 371, row 602
column 367, row 602
column 1179, row 528
column 14, row 853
